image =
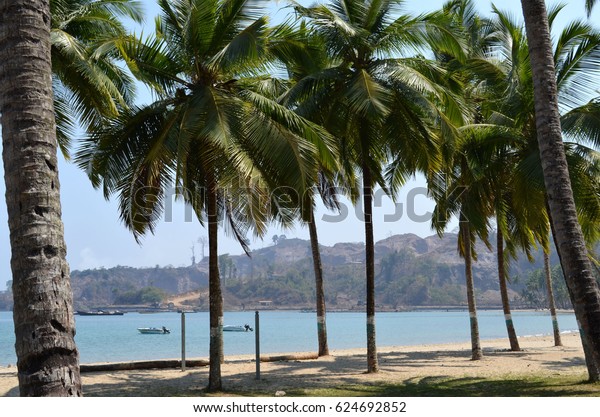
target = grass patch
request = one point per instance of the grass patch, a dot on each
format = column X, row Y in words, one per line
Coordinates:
column 546, row 386
column 508, row 386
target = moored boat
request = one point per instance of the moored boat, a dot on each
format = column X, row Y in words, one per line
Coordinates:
column 100, row 313
column 244, row 328
column 153, row 330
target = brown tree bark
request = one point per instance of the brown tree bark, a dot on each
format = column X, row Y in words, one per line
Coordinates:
column 476, row 351
column 567, row 231
column 47, row 357
column 214, row 291
column 510, row 327
column 372, row 362
column 320, row 292
column 551, row 303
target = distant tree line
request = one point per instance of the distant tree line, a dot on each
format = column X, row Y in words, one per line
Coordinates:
column 146, row 295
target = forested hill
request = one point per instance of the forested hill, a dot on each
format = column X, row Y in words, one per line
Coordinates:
column 410, row 271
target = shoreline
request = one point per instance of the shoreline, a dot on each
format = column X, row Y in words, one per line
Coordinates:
column 410, row 309
column 398, row 364
column 200, row 361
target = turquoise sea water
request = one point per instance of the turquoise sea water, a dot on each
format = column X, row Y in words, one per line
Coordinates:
column 115, row 338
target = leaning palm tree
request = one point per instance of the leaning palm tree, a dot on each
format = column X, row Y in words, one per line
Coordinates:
column 504, row 71
column 47, row 357
column 87, row 81
column 228, row 148
column 567, row 231
column 374, row 100
column 562, row 211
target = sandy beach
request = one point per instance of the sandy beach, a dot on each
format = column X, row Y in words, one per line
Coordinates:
column 343, row 367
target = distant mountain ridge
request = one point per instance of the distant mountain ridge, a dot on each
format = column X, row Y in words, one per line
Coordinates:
column 410, row 271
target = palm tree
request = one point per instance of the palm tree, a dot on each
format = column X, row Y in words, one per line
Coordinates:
column 503, row 70
column 48, row 360
column 464, row 188
column 567, row 231
column 214, row 132
column 328, row 193
column 374, row 100
column 575, row 58
column 551, row 303
column 87, row 82
column 323, row 346
column 305, row 61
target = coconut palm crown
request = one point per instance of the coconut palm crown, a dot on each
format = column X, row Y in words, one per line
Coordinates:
column 88, row 83
column 213, row 136
column 376, row 97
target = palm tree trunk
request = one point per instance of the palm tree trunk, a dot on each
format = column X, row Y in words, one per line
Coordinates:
column 47, row 357
column 214, row 294
column 372, row 363
column 593, row 370
column 571, row 245
column 510, row 328
column 551, row 303
column 476, row 352
column 320, row 292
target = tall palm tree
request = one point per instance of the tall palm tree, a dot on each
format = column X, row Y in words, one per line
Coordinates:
column 47, row 357
column 308, row 60
column 214, row 132
column 374, row 100
column 567, row 231
column 576, row 60
column 462, row 186
column 465, row 189
column 504, row 70
column 88, row 83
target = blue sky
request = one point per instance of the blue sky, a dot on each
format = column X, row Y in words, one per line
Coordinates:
column 95, row 237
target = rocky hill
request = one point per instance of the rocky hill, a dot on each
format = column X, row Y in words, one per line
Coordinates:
column 410, row 271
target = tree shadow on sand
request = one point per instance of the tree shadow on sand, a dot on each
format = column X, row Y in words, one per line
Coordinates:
column 345, row 376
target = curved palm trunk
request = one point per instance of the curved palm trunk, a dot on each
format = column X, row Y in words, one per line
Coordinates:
column 476, row 352
column 214, row 295
column 320, row 292
column 372, row 363
column 551, row 303
column 567, row 232
column 510, row 328
column 47, row 357
column 593, row 370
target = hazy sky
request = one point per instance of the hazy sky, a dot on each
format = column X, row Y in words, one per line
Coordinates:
column 95, row 237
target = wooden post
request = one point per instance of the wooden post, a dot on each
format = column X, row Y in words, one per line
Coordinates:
column 182, row 340
column 257, row 343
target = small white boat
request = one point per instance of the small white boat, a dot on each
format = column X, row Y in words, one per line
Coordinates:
column 244, row 328
column 153, row 330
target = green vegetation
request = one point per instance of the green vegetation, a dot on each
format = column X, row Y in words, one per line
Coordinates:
column 501, row 386
column 147, row 295
column 509, row 386
column 536, row 295
column 380, row 97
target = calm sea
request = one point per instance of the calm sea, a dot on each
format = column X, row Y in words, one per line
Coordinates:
column 115, row 338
